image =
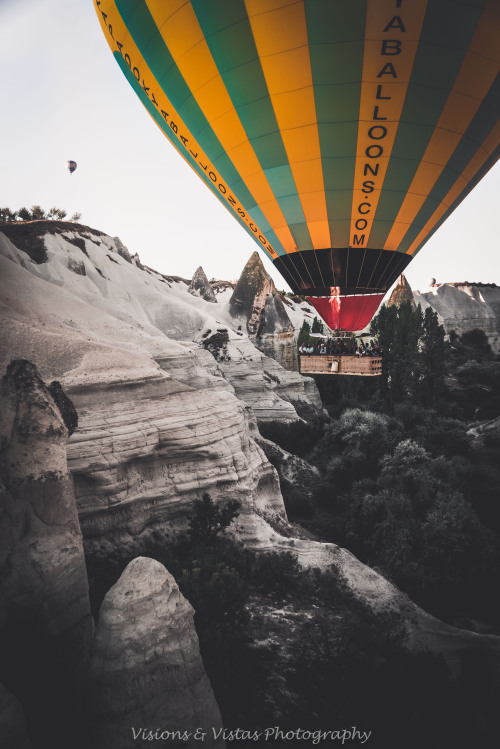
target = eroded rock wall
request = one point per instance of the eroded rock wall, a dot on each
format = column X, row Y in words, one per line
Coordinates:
column 145, row 449
column 465, row 306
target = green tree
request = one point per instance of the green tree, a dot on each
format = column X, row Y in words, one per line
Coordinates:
column 399, row 331
column 304, row 334
column 209, row 521
column 37, row 213
column 57, row 214
column 317, row 326
column 353, row 444
column 432, row 354
column 7, row 215
column 24, row 215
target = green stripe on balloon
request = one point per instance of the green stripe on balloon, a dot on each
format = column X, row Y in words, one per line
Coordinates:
column 336, row 37
column 235, row 54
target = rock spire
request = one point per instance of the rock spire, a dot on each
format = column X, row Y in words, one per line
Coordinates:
column 402, row 292
column 200, row 286
column 258, row 305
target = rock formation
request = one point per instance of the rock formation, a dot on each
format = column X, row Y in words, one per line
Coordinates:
column 201, row 287
column 401, row 293
column 256, row 303
column 45, row 623
column 162, row 420
column 148, row 446
column 147, row 671
column 465, row 306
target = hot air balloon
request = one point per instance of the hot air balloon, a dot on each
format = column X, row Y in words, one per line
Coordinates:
column 71, row 166
column 340, row 135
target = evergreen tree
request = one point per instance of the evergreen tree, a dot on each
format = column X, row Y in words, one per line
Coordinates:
column 209, row 521
column 24, row 215
column 432, row 359
column 37, row 213
column 7, row 215
column 399, row 332
column 304, row 332
column 317, row 326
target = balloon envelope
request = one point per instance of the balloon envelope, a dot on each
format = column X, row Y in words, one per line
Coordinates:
column 71, row 166
column 340, row 135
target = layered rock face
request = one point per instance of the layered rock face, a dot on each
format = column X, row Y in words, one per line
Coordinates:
column 272, row 392
column 256, row 303
column 465, row 306
column 147, row 448
column 147, row 674
column 45, row 622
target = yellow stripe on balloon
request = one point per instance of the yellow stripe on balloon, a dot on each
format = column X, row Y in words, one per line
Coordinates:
column 280, row 34
column 479, row 69
column 391, row 41
column 181, row 31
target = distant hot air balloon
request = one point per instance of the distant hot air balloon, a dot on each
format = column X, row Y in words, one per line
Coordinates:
column 339, row 134
column 71, row 166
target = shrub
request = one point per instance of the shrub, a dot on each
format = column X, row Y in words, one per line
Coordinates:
column 209, row 521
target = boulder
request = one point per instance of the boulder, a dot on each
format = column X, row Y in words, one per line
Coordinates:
column 147, row 672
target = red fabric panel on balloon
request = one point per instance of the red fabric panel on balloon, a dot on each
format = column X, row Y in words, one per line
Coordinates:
column 347, row 312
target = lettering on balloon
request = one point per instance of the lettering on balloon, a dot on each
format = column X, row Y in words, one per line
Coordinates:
column 177, row 130
column 370, row 177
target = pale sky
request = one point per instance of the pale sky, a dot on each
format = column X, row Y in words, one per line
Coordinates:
column 64, row 97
